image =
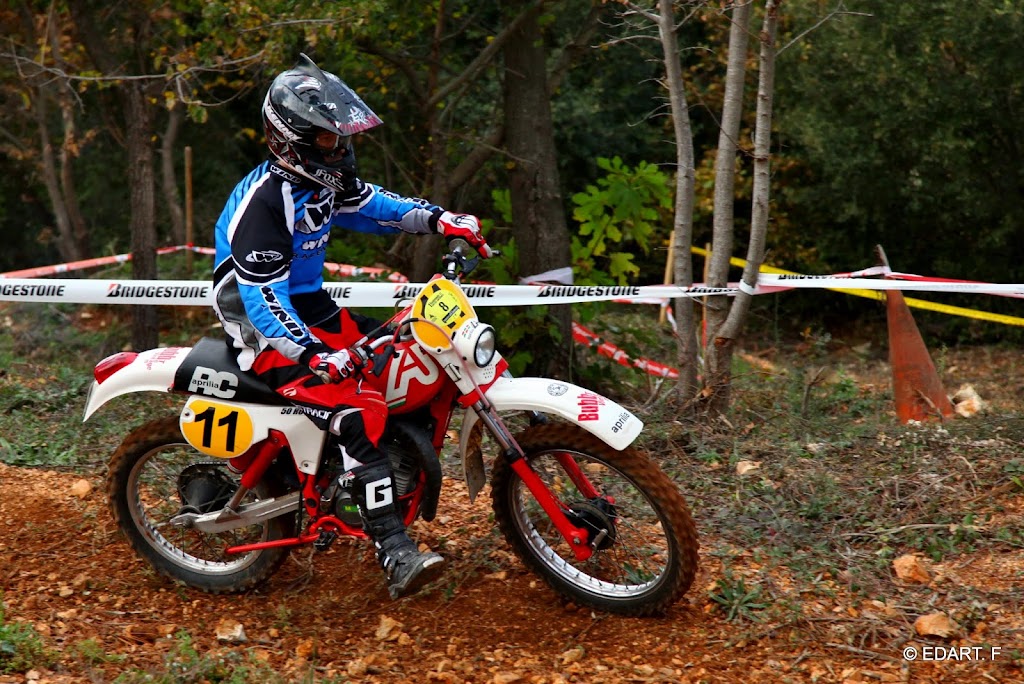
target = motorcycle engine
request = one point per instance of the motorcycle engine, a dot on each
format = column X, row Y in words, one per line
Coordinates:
column 404, row 465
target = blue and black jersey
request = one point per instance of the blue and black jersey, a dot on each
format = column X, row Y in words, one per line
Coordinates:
column 271, row 245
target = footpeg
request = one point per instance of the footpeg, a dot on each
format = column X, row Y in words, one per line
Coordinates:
column 324, row 541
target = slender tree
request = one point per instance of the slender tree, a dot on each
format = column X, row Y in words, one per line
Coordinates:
column 724, row 342
column 684, row 202
column 717, row 308
column 41, row 42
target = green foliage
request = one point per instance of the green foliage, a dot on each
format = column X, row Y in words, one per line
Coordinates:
column 627, row 209
column 184, row 664
column 21, row 647
column 91, row 652
column 903, row 116
column 736, row 599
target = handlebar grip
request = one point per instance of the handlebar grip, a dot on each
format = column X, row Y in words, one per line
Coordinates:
column 380, row 360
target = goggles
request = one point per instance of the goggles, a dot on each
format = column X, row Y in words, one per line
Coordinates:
column 328, row 142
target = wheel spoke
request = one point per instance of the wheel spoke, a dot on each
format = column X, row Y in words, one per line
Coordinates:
column 622, row 570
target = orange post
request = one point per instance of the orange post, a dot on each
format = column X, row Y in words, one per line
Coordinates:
column 916, row 388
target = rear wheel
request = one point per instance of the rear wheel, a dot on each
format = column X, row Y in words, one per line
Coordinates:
column 644, row 539
column 155, row 475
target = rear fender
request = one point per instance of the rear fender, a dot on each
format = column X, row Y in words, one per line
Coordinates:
column 151, row 371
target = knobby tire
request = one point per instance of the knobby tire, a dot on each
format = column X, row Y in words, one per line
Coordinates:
column 163, row 546
column 653, row 524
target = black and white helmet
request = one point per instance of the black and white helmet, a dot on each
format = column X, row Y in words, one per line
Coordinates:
column 309, row 117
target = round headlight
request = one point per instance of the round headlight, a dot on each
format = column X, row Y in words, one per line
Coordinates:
column 483, row 352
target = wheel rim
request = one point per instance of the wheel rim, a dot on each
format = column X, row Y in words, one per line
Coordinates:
column 639, row 560
column 153, row 500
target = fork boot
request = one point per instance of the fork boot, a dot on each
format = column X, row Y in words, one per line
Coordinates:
column 406, row 568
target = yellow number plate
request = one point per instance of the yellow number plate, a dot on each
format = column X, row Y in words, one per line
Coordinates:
column 444, row 304
column 216, row 429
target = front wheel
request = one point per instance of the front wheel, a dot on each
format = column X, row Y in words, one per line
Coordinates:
column 644, row 539
column 155, row 475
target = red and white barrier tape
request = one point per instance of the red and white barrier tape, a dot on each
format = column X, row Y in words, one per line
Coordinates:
column 589, row 338
column 42, row 271
column 342, row 270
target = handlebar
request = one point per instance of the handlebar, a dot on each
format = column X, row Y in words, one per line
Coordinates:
column 457, row 263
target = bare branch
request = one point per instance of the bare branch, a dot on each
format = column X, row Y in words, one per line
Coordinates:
column 645, row 13
column 480, row 153
column 569, row 55
column 399, row 63
column 227, row 66
column 484, row 58
column 632, row 39
column 838, row 11
column 290, row 22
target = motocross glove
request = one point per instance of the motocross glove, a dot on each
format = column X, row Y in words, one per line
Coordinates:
column 467, row 227
column 334, row 366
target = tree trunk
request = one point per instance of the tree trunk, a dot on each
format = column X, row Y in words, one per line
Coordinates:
column 686, row 342
column 66, row 244
column 168, row 175
column 69, row 147
column 138, row 132
column 538, row 212
column 725, row 341
column 716, row 365
column 139, row 173
column 417, row 257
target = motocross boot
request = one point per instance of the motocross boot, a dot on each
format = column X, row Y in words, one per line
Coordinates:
column 406, row 568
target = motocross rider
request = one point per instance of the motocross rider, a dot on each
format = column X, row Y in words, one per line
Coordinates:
column 271, row 244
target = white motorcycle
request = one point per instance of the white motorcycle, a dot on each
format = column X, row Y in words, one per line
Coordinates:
column 217, row 495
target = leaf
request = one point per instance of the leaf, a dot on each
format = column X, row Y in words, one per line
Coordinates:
column 936, row 624
column 621, row 265
column 910, row 568
column 744, row 467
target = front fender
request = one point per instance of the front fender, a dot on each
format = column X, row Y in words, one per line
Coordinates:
column 602, row 417
column 151, row 371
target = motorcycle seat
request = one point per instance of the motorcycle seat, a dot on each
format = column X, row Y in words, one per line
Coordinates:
column 210, row 369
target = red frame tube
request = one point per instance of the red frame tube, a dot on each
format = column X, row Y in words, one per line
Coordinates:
column 269, row 450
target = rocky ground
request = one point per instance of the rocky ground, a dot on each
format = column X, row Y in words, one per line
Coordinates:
column 326, row 618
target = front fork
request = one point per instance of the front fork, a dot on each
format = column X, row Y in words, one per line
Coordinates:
column 577, row 537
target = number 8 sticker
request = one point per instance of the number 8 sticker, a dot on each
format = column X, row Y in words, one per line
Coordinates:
column 221, row 430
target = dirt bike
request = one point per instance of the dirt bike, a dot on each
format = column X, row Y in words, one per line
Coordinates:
column 216, row 496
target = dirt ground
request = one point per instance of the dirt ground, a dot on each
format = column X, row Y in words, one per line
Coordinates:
column 326, row 617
